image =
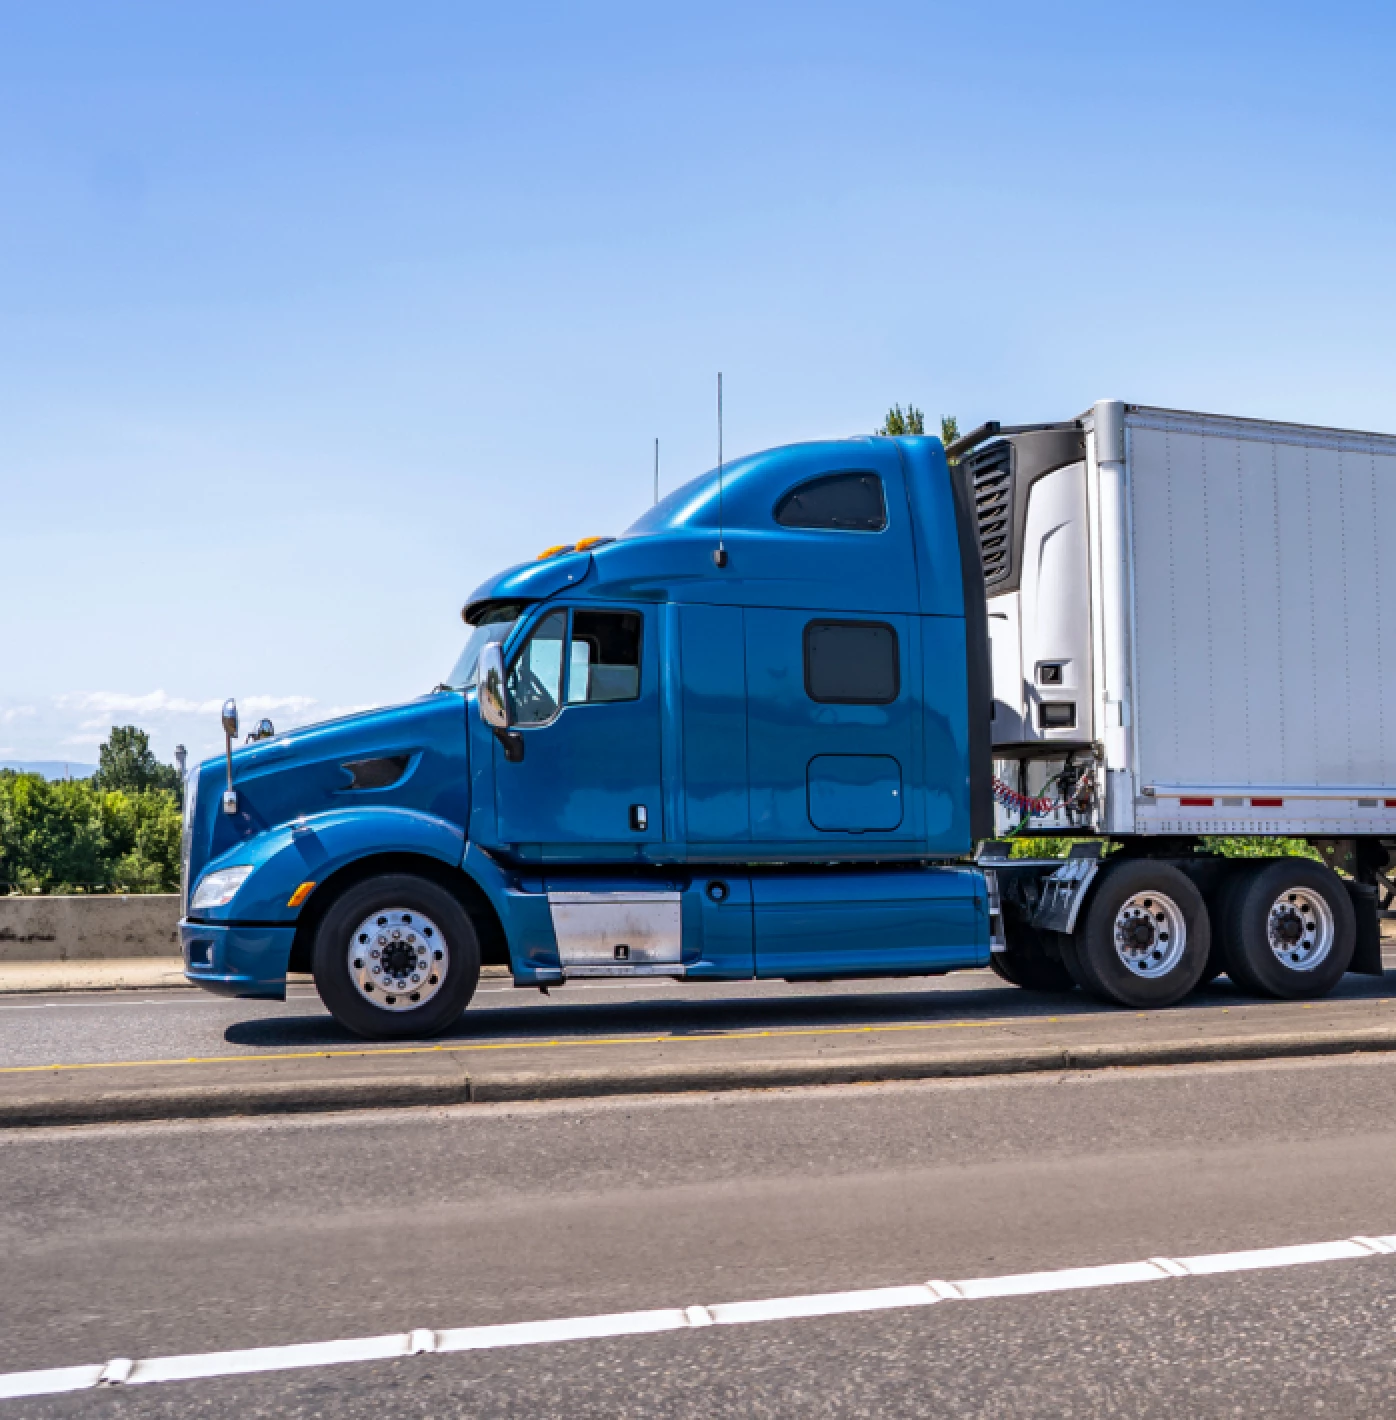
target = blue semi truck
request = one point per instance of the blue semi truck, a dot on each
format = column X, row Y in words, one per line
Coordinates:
column 749, row 737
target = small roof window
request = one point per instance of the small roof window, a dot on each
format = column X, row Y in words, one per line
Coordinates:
column 843, row 502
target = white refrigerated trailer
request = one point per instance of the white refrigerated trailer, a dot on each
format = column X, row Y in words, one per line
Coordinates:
column 1192, row 628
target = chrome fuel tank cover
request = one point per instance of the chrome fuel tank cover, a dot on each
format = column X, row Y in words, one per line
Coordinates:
column 617, row 929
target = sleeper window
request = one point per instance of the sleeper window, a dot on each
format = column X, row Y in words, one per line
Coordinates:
column 843, row 502
column 604, row 663
column 851, row 663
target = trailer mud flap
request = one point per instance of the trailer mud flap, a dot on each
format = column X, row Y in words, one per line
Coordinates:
column 1063, row 893
column 1366, row 959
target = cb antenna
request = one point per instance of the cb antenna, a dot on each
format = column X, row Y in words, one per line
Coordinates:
column 720, row 553
column 656, row 470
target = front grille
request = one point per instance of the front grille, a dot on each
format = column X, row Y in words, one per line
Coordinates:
column 990, row 473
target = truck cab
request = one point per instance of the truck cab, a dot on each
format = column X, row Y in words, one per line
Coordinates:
column 747, row 737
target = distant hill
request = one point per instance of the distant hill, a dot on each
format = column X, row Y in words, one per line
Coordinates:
column 51, row 768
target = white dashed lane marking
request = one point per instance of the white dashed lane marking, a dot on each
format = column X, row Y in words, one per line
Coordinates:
column 123, row 1371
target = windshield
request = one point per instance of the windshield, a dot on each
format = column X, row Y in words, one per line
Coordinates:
column 494, row 624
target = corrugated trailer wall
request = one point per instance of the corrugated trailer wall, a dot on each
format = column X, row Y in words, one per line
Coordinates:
column 1264, row 621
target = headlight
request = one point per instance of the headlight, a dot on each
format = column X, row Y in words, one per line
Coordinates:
column 217, row 889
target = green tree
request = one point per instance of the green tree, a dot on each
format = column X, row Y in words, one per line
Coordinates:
column 71, row 836
column 126, row 761
column 897, row 423
column 913, row 421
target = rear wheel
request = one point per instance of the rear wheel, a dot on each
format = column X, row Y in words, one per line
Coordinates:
column 1026, row 962
column 1144, row 939
column 1290, row 929
column 396, row 955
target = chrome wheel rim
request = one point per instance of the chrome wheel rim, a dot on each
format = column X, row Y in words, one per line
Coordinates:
column 1300, row 929
column 398, row 959
column 1150, row 934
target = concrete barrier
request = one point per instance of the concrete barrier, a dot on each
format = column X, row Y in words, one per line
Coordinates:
column 89, row 928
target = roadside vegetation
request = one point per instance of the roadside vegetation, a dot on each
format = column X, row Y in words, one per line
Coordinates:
column 1226, row 847
column 115, row 832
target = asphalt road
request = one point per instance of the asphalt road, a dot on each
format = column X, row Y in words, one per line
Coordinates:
column 179, row 1024
column 148, row 1240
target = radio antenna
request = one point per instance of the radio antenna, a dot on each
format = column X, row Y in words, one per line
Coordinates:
column 656, row 470
column 720, row 555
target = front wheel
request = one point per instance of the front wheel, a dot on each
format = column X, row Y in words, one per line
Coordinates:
column 396, row 955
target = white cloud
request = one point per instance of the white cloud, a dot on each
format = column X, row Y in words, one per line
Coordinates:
column 77, row 722
column 102, row 705
column 336, row 711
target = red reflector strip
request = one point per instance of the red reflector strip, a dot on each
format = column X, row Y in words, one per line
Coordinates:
column 1391, row 803
column 1196, row 803
column 1267, row 803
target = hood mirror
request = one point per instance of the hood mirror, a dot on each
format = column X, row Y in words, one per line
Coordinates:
column 230, row 733
column 493, row 696
column 263, row 730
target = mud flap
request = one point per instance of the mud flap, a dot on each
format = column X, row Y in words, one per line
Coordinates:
column 1366, row 959
column 1063, row 893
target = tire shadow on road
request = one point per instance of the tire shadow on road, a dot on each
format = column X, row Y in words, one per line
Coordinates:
column 558, row 1017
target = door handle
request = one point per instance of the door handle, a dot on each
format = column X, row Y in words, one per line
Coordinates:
column 639, row 818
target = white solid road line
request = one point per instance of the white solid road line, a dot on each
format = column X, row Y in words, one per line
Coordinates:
column 259, row 1360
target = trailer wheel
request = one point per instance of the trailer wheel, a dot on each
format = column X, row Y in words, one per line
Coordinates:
column 1027, row 964
column 396, row 955
column 1145, row 938
column 1289, row 929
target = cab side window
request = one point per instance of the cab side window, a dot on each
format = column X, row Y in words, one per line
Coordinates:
column 604, row 660
column 842, row 502
column 852, row 663
column 535, row 680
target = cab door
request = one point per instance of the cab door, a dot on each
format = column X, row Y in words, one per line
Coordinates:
column 584, row 690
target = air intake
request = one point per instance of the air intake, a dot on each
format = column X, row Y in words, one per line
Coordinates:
column 990, row 472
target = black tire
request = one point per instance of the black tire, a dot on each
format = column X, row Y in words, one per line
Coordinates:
column 1293, row 889
column 1155, row 904
column 1027, row 964
column 1071, row 959
column 401, row 898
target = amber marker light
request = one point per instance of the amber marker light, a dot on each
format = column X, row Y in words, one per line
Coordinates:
column 300, row 894
column 557, row 551
column 587, row 542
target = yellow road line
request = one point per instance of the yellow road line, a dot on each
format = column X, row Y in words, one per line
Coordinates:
column 704, row 1037
column 369, row 1051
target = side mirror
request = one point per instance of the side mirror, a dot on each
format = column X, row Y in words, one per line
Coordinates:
column 230, row 719
column 493, row 696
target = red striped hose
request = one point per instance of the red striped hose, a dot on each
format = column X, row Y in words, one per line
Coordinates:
column 1022, row 803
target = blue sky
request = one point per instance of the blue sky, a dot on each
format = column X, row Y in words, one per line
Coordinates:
column 313, row 315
